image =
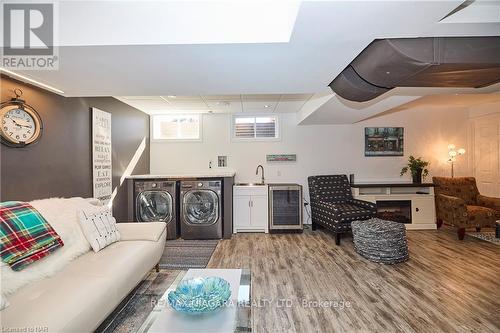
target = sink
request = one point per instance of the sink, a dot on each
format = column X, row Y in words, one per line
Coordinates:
column 250, row 184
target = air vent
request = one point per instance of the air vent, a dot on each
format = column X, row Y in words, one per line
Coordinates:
column 466, row 62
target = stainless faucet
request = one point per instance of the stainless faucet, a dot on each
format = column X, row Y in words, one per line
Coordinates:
column 257, row 172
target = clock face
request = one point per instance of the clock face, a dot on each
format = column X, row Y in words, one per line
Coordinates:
column 20, row 126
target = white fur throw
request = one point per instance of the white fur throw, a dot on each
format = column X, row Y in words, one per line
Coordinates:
column 99, row 227
column 3, row 302
column 61, row 214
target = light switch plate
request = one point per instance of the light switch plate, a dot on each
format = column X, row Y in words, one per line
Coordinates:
column 222, row 161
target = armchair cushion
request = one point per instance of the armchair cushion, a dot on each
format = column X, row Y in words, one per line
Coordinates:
column 493, row 203
column 349, row 212
column 481, row 216
column 339, row 215
column 366, row 204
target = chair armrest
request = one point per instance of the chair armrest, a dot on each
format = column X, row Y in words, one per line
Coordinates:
column 490, row 202
column 141, row 231
column 451, row 209
column 450, row 201
column 365, row 204
column 327, row 205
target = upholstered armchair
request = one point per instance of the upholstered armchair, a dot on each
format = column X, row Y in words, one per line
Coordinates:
column 333, row 207
column 459, row 204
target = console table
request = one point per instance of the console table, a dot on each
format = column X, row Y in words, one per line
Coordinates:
column 412, row 204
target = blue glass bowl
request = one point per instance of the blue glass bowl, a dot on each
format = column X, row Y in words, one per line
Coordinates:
column 200, row 295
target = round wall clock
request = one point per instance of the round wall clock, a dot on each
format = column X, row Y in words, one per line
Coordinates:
column 21, row 124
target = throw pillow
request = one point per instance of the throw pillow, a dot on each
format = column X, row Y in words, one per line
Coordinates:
column 99, row 227
column 25, row 235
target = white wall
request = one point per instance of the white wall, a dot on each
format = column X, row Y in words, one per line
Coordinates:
column 321, row 149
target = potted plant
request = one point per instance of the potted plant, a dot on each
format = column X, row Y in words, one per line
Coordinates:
column 418, row 169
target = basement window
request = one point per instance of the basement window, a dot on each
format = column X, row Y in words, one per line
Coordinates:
column 176, row 127
column 260, row 128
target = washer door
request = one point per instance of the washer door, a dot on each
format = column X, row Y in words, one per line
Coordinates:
column 201, row 207
column 154, row 206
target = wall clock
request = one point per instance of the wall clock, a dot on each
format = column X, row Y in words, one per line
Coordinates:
column 21, row 124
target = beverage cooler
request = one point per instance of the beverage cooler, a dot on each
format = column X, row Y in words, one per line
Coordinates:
column 285, row 208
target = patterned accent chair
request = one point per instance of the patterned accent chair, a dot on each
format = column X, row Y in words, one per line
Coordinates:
column 333, row 207
column 459, row 203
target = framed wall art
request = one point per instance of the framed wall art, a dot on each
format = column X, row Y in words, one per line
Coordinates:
column 384, row 141
column 101, row 155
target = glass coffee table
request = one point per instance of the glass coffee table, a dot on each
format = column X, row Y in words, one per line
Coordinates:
column 236, row 317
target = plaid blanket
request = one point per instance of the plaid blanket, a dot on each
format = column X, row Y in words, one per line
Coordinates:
column 25, row 236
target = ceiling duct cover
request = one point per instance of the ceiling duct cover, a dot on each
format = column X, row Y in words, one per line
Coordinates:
column 464, row 62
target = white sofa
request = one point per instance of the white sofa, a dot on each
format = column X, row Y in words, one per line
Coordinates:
column 80, row 296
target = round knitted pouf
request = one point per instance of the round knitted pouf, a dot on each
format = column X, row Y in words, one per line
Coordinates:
column 380, row 240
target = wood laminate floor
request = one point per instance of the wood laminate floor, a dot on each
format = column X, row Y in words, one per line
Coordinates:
column 446, row 286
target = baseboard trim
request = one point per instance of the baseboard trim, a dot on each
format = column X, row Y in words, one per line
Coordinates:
column 421, row 226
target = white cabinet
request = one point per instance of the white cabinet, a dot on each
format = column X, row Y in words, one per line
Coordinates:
column 420, row 196
column 250, row 209
column 424, row 212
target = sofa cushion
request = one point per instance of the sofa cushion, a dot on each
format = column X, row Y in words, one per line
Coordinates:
column 150, row 231
column 99, row 227
column 86, row 291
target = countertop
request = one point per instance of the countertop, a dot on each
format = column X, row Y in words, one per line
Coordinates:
column 219, row 174
column 389, row 184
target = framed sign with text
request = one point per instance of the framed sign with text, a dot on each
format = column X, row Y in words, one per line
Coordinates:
column 101, row 155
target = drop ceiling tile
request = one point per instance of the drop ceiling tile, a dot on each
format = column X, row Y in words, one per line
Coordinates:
column 147, row 104
column 139, row 97
column 259, row 105
column 225, row 106
column 221, row 97
column 293, row 97
column 182, row 98
column 272, row 97
column 289, row 106
column 188, row 104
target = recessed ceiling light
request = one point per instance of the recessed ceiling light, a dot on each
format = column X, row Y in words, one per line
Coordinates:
column 171, row 96
column 36, row 83
column 267, row 106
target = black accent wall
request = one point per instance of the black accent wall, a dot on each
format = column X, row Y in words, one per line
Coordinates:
column 60, row 164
